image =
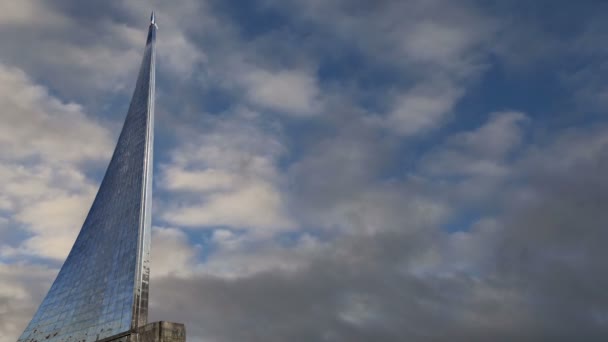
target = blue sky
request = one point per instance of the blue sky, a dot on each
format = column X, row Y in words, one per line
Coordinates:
column 337, row 170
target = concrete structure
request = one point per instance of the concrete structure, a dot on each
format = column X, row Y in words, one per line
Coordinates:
column 154, row 332
column 101, row 291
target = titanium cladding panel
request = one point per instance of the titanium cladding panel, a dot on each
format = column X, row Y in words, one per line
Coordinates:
column 102, row 288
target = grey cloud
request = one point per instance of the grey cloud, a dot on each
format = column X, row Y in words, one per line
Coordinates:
column 552, row 246
column 360, row 293
column 534, row 272
column 22, row 287
column 69, row 52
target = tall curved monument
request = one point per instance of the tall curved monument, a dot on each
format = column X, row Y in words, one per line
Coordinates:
column 101, row 291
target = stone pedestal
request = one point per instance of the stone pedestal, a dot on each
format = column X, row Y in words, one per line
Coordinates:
column 153, row 332
column 162, row 332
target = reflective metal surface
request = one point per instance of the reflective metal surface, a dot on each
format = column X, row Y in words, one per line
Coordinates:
column 102, row 288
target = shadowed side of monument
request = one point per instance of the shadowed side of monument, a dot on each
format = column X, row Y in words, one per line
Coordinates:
column 101, row 291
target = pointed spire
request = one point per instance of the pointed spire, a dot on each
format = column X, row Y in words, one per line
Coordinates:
column 152, row 19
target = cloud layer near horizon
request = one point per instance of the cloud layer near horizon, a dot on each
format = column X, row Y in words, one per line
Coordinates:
column 325, row 170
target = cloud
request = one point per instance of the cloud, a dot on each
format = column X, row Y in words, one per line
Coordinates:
column 240, row 256
column 36, row 124
column 550, row 243
column 422, row 108
column 482, row 151
column 102, row 47
column 518, row 275
column 227, row 177
column 255, row 205
column 439, row 42
column 44, row 143
column 378, row 218
column 72, row 57
column 207, row 180
column 435, row 49
column 351, row 294
column 393, row 273
column 28, row 12
column 22, row 287
column 179, row 54
column 292, row 92
column 179, row 57
column 172, row 254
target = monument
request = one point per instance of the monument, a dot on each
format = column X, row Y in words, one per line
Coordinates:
column 101, row 291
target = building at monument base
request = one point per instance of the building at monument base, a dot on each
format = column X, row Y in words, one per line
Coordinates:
column 153, row 332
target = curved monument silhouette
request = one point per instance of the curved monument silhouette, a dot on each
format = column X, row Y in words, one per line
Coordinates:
column 101, row 291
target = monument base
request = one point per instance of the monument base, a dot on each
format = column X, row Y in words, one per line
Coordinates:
column 152, row 332
column 162, row 332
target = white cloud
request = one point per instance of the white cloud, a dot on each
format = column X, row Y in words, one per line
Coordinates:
column 171, row 253
column 227, row 177
column 28, row 12
column 37, row 124
column 243, row 255
column 438, row 42
column 42, row 144
column 496, row 138
column 470, row 167
column 178, row 53
column 480, row 152
column 256, row 205
column 55, row 221
column 293, row 92
column 423, row 108
column 47, row 203
column 179, row 179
